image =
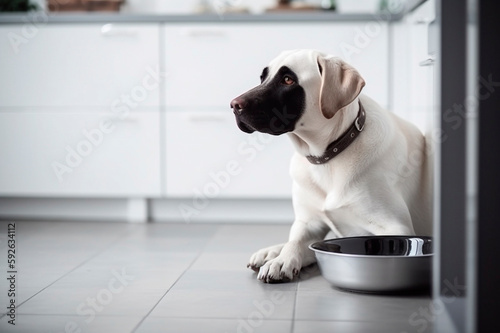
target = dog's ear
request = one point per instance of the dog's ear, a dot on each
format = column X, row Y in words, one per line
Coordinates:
column 340, row 85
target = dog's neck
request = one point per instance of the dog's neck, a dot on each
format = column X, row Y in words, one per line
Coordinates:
column 315, row 142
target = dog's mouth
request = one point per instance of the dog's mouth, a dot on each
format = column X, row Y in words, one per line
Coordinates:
column 243, row 126
column 261, row 122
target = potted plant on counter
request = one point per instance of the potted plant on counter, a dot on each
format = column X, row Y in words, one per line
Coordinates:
column 17, row 6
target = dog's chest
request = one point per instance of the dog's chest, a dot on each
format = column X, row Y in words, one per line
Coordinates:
column 328, row 176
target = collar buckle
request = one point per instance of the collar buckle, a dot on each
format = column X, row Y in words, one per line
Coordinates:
column 358, row 126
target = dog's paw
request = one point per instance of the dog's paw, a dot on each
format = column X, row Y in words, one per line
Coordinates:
column 259, row 258
column 279, row 269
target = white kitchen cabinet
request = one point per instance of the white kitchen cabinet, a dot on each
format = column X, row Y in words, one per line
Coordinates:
column 57, row 87
column 413, row 67
column 79, row 65
column 66, row 78
column 71, row 154
column 207, row 156
column 209, row 64
column 422, row 67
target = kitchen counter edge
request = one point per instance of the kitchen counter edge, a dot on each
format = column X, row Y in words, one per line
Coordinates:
column 41, row 17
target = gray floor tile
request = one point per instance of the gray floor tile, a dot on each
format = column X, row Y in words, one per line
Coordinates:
column 177, row 230
column 61, row 237
column 222, row 261
column 51, row 323
column 65, row 294
column 335, row 305
column 237, row 281
column 310, row 279
column 359, row 327
column 142, row 261
column 225, row 304
column 160, row 245
column 187, row 277
column 88, row 301
column 37, row 277
column 163, row 238
column 48, row 250
column 247, row 238
column 192, row 325
column 116, row 277
column 22, row 294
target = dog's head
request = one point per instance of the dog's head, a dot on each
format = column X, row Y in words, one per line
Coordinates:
column 298, row 89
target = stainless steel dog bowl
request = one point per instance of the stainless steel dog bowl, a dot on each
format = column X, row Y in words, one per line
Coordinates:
column 376, row 263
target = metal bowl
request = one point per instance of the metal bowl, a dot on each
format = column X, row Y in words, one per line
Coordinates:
column 376, row 263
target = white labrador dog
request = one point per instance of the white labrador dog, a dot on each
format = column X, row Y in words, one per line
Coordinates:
column 358, row 169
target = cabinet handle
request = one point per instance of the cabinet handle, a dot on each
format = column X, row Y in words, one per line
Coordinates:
column 110, row 30
column 203, row 33
column 423, row 20
column 427, row 62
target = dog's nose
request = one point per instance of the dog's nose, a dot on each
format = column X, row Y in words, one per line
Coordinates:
column 238, row 104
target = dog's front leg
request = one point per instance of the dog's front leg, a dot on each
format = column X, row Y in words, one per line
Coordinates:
column 283, row 262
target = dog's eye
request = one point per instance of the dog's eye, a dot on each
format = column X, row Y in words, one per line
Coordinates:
column 288, row 80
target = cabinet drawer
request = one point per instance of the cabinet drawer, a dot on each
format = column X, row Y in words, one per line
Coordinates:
column 207, row 155
column 209, row 64
column 79, row 154
column 80, row 65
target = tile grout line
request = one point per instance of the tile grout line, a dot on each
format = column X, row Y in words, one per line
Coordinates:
column 292, row 328
column 166, row 292
column 110, row 245
column 202, row 250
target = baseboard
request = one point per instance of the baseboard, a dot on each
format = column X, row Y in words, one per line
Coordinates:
column 154, row 210
column 80, row 209
column 222, row 210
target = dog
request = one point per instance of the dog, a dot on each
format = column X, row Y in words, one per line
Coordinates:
column 358, row 169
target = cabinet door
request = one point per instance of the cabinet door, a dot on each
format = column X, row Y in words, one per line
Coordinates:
column 79, row 65
column 413, row 67
column 79, row 154
column 209, row 64
column 422, row 80
column 208, row 156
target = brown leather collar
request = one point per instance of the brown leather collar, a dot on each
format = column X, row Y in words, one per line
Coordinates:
column 337, row 146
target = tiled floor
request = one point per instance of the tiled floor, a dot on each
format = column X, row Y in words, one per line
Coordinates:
column 113, row 277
